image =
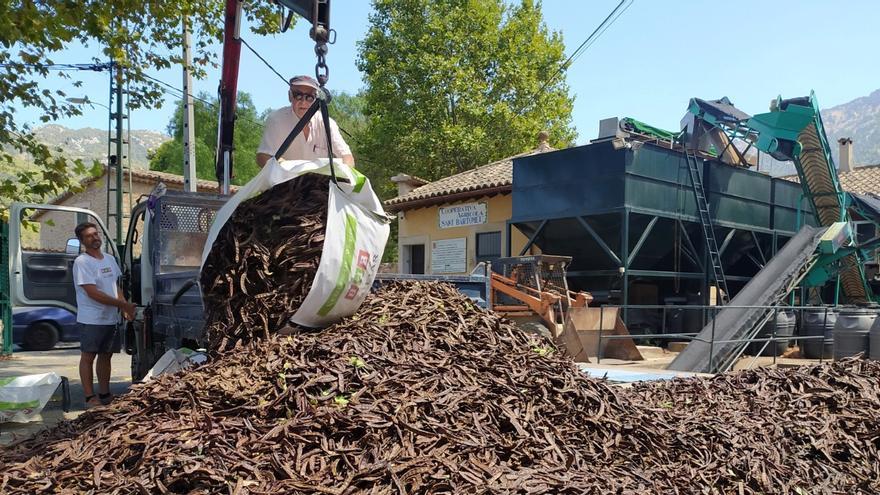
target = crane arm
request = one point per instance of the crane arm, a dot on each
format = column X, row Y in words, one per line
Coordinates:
column 315, row 11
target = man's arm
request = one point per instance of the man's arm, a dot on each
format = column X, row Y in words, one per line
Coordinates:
column 128, row 311
column 119, row 302
column 340, row 147
column 103, row 298
column 270, row 140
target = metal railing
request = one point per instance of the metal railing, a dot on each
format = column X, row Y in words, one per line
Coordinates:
column 710, row 313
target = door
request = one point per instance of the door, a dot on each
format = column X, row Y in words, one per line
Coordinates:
column 414, row 259
column 137, row 272
column 42, row 248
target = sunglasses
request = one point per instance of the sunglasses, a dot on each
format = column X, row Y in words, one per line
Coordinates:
column 300, row 96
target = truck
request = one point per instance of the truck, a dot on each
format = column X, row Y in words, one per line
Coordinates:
column 159, row 259
column 160, row 256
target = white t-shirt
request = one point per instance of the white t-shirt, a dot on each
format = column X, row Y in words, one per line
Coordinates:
column 103, row 273
column 278, row 126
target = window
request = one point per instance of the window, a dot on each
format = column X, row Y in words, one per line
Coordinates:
column 488, row 246
column 83, row 217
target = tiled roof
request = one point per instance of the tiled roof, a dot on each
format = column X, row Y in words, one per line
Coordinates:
column 146, row 177
column 860, row 180
column 493, row 178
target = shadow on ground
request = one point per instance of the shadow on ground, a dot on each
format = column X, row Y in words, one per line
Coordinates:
column 63, row 360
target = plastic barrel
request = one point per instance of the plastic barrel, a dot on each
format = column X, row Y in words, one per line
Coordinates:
column 783, row 322
column 815, row 322
column 851, row 331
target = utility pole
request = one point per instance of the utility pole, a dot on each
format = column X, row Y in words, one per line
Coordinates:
column 189, row 151
column 116, row 159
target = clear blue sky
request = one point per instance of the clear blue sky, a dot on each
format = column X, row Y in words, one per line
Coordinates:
column 647, row 65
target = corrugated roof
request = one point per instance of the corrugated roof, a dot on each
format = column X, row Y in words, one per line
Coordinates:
column 493, row 178
column 860, row 180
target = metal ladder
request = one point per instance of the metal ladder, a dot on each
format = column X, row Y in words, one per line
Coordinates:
column 706, row 223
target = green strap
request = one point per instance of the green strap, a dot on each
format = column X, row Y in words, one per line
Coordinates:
column 12, row 406
column 359, row 180
column 345, row 270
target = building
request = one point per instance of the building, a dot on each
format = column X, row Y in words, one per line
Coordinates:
column 450, row 225
column 55, row 228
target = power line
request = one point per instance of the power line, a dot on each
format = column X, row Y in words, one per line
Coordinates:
column 264, row 60
column 90, row 67
column 286, row 82
column 180, row 93
column 600, row 29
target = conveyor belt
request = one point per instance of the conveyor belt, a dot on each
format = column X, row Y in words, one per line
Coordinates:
column 826, row 198
column 764, row 289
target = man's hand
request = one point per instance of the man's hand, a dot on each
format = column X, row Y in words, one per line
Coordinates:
column 128, row 310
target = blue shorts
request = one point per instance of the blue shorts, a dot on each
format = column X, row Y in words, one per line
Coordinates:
column 97, row 339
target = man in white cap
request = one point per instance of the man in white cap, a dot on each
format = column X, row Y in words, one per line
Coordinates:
column 311, row 143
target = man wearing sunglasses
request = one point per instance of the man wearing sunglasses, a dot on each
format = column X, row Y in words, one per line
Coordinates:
column 311, row 143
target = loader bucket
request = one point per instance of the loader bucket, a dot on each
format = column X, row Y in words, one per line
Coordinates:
column 580, row 335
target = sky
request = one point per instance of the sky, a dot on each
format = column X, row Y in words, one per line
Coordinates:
column 647, row 65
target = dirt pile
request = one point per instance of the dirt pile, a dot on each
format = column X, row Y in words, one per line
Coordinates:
column 420, row 391
column 812, row 429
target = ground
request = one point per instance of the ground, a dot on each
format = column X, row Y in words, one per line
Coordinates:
column 63, row 360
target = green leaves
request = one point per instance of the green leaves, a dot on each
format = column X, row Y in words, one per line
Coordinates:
column 451, row 86
column 248, row 131
column 139, row 36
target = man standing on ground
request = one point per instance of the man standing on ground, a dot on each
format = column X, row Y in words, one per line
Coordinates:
column 99, row 298
column 311, row 143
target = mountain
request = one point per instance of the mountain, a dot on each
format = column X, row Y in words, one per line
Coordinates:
column 91, row 144
column 860, row 120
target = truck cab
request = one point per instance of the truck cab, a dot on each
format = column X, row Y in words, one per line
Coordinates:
column 159, row 259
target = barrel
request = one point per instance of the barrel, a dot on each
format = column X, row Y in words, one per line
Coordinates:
column 782, row 324
column 818, row 322
column 851, row 331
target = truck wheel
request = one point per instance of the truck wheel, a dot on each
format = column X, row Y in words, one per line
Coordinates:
column 40, row 336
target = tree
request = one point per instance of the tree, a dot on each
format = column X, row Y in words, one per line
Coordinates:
column 137, row 36
column 348, row 111
column 451, row 85
column 248, row 131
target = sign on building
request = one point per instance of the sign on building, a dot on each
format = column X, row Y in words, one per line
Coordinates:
column 463, row 215
column 449, row 256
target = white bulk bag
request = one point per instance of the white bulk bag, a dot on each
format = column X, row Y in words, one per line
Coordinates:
column 175, row 360
column 23, row 397
column 356, row 233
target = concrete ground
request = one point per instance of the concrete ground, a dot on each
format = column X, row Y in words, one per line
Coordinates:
column 63, row 360
column 656, row 358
